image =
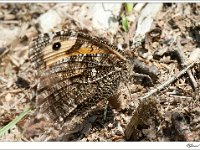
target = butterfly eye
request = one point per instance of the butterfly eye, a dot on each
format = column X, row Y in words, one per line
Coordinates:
column 56, row 46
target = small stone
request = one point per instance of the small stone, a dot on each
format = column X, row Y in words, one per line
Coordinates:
column 49, row 20
column 110, row 125
column 8, row 97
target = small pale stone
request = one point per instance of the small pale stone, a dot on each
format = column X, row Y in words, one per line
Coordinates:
column 8, row 97
column 49, row 20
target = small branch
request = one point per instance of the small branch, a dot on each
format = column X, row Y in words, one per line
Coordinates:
column 182, row 58
column 168, row 82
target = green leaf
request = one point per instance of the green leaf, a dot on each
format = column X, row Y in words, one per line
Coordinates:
column 129, row 7
column 124, row 23
column 14, row 122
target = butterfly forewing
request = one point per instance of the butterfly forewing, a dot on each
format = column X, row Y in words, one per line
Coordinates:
column 75, row 70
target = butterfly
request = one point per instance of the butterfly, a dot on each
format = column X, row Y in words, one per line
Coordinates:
column 76, row 70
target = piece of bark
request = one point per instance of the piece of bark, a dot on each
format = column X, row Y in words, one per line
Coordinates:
column 141, row 119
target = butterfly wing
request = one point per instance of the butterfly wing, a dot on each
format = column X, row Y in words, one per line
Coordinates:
column 75, row 70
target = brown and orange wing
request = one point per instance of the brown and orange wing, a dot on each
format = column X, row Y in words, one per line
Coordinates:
column 75, row 70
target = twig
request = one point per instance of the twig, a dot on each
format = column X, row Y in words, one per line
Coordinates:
column 11, row 91
column 168, row 82
column 182, row 58
column 10, row 22
column 4, row 53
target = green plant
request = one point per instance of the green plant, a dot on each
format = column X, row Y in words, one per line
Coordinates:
column 129, row 7
column 124, row 23
column 14, row 122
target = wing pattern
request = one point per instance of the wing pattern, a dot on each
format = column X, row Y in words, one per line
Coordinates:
column 75, row 70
